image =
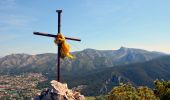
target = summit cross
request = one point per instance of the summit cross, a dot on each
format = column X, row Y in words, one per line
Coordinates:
column 59, row 45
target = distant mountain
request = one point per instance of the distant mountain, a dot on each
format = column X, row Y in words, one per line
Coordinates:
column 87, row 59
column 145, row 73
column 139, row 74
column 99, row 70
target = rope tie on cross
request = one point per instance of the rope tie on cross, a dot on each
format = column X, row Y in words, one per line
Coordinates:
column 60, row 40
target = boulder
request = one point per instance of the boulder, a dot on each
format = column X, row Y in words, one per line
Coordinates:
column 59, row 91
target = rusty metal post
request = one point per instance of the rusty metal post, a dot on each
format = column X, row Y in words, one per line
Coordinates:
column 59, row 45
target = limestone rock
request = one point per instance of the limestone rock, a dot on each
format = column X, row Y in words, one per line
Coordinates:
column 59, row 92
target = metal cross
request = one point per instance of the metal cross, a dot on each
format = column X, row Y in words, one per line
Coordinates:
column 59, row 45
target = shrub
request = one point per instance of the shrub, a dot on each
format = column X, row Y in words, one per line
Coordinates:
column 128, row 92
column 162, row 89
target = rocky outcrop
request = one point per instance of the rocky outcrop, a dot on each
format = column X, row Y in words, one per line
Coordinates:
column 59, row 92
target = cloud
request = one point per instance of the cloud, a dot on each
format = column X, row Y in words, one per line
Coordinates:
column 14, row 23
column 102, row 8
column 10, row 16
column 7, row 4
column 5, row 37
column 14, row 27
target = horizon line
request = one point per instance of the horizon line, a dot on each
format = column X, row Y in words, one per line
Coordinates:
column 86, row 49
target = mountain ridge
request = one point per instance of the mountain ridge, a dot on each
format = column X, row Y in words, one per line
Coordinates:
column 138, row 74
column 87, row 58
column 122, row 47
column 99, row 70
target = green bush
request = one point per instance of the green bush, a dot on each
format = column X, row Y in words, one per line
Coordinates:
column 162, row 89
column 101, row 97
column 128, row 92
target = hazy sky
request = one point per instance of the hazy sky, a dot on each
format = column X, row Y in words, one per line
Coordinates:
column 101, row 24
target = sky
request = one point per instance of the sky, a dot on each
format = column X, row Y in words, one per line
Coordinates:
column 100, row 24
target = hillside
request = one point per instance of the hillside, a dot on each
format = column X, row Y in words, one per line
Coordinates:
column 145, row 73
column 139, row 74
column 88, row 59
column 96, row 70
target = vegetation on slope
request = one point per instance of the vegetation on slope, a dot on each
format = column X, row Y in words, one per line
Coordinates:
column 128, row 92
column 162, row 89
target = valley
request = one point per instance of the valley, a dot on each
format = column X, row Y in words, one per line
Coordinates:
column 97, row 70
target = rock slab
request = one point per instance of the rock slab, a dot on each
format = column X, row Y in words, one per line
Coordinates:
column 59, row 91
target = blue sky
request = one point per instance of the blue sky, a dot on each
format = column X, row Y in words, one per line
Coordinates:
column 101, row 24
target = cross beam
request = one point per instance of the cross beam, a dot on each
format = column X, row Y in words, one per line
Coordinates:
column 59, row 45
column 54, row 36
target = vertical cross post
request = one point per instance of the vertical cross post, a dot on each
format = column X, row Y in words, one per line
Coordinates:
column 59, row 45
